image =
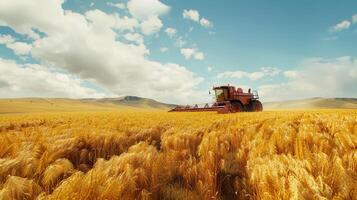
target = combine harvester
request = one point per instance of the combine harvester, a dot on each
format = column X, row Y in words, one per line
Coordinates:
column 228, row 100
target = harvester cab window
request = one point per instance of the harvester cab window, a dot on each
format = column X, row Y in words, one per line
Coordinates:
column 221, row 94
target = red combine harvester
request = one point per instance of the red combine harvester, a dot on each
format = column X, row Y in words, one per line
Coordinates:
column 228, row 100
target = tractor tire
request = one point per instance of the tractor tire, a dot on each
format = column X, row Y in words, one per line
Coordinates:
column 255, row 106
column 237, row 106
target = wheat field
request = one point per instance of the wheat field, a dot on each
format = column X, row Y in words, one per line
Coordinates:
column 160, row 155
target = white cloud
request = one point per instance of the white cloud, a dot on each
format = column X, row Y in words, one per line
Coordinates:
column 87, row 47
column 189, row 53
column 291, row 74
column 193, row 15
column 209, row 68
column 316, row 77
column 199, row 56
column 164, row 49
column 17, row 14
column 262, row 73
column 134, row 37
column 151, row 25
column 126, row 23
column 38, row 81
column 206, row 23
column 179, row 41
column 117, row 5
column 91, row 4
column 102, row 21
column 345, row 24
column 19, row 48
column 143, row 9
column 354, row 19
column 171, row 32
column 148, row 12
column 6, row 39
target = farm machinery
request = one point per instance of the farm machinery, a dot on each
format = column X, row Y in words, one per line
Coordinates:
column 228, row 99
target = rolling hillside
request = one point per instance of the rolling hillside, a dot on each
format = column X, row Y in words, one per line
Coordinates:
column 131, row 101
column 30, row 105
column 314, row 103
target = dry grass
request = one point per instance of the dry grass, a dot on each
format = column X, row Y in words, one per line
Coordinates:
column 159, row 155
column 41, row 105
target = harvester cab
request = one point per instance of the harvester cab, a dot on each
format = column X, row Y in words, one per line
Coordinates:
column 221, row 94
column 228, row 99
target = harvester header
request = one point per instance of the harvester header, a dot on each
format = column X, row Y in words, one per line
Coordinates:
column 229, row 99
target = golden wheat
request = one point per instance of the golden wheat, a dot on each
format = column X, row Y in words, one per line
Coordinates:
column 159, row 155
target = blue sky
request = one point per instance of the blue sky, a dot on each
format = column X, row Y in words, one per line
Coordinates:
column 175, row 51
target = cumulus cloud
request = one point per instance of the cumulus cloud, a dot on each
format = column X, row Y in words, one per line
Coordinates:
column 126, row 23
column 205, row 22
column 291, row 74
column 87, row 46
column 32, row 80
column 179, row 41
column 189, row 53
column 19, row 17
column 199, row 56
column 117, row 5
column 262, row 73
column 345, row 24
column 193, row 15
column 148, row 12
column 19, row 48
column 6, row 39
column 316, row 77
column 151, row 25
column 102, row 21
column 134, row 37
column 171, row 32
column 143, row 9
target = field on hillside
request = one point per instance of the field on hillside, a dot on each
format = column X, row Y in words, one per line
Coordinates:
column 160, row 155
column 30, row 105
column 37, row 105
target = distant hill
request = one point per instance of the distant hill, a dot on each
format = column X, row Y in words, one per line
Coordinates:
column 314, row 103
column 30, row 105
column 132, row 101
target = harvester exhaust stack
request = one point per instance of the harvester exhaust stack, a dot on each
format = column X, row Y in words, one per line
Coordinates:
column 228, row 100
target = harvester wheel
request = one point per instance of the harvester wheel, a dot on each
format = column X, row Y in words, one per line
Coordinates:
column 237, row 106
column 256, row 106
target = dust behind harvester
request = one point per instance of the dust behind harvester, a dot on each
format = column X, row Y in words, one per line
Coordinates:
column 228, row 100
